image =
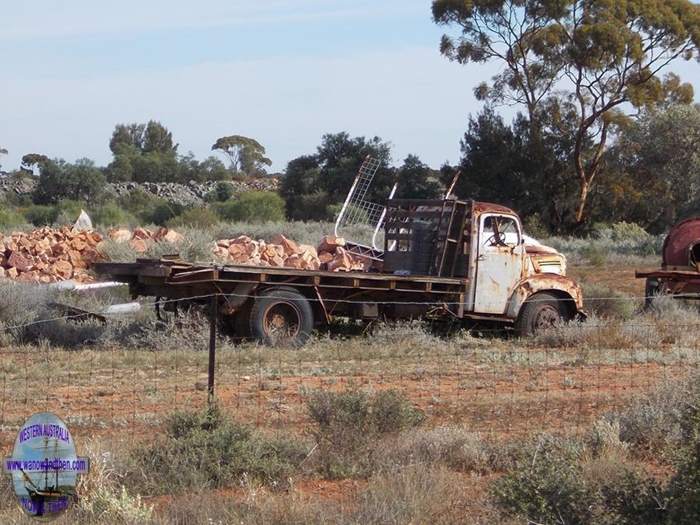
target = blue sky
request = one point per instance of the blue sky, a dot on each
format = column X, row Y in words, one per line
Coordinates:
column 282, row 71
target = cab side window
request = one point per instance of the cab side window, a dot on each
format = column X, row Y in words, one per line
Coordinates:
column 499, row 231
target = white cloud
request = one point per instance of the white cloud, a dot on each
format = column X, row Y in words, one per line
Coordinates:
column 413, row 98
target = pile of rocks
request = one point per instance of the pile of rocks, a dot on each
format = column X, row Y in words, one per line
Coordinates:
column 281, row 252
column 192, row 193
column 141, row 238
column 49, row 255
column 284, row 253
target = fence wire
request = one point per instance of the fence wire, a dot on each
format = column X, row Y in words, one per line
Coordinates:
column 493, row 384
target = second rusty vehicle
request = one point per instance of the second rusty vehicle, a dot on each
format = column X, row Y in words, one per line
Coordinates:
column 442, row 259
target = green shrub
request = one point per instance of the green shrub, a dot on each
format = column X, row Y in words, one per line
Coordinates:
column 69, row 210
column 10, row 218
column 253, row 206
column 196, row 218
column 162, row 212
column 559, row 481
column 607, row 303
column 684, row 489
column 42, row 215
column 222, row 192
column 207, row 450
column 112, row 215
column 347, row 423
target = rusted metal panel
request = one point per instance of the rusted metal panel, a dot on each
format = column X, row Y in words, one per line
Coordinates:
column 544, row 282
column 679, row 242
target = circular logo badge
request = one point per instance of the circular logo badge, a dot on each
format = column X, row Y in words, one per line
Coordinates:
column 45, row 466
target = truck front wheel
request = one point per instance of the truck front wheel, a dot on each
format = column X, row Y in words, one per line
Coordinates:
column 281, row 317
column 540, row 312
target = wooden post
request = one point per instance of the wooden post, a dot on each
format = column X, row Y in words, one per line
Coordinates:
column 213, row 319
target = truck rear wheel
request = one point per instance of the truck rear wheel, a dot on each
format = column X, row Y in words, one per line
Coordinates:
column 281, row 317
column 540, row 312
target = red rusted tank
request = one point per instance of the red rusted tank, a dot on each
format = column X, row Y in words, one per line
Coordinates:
column 682, row 246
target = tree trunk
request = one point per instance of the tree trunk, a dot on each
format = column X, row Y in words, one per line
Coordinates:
column 582, row 199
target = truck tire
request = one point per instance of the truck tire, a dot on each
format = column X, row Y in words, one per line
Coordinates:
column 281, row 317
column 651, row 290
column 541, row 311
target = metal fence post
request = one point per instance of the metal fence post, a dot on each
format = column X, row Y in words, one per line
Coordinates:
column 213, row 319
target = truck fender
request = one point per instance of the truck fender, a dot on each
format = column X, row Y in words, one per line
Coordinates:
column 558, row 285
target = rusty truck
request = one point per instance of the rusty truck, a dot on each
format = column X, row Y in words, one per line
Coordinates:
column 456, row 260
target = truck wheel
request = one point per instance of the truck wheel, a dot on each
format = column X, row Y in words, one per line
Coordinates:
column 540, row 312
column 281, row 316
column 651, row 290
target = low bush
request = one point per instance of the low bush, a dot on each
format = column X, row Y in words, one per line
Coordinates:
column 559, row 480
column 112, row 215
column 621, row 239
column 253, row 206
column 206, row 450
column 41, row 215
column 200, row 218
column 10, row 219
column 661, row 420
column 347, row 423
column 452, row 447
column 607, row 303
column 162, row 213
column 684, row 488
column 222, row 192
column 414, row 494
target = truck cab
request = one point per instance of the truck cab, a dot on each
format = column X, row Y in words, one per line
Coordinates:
column 510, row 276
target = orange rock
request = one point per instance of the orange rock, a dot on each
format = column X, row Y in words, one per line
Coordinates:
column 243, row 239
column 63, row 270
column 19, row 262
column 289, row 246
column 173, row 237
column 121, row 235
column 12, row 273
column 159, row 234
column 78, row 244
column 138, row 245
column 330, row 243
column 325, row 257
column 142, row 234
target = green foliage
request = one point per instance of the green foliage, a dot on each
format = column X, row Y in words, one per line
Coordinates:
column 659, row 148
column 253, row 206
column 34, row 160
column 684, row 489
column 162, row 213
column 246, row 155
column 347, row 423
column 207, row 450
column 59, row 180
column 559, row 481
column 197, row 218
column 42, row 215
column 602, row 55
column 416, row 180
column 111, row 214
column 523, row 168
column 147, row 153
column 222, row 192
column 314, row 182
column 9, row 218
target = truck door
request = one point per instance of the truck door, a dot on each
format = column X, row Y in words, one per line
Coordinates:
column 499, row 262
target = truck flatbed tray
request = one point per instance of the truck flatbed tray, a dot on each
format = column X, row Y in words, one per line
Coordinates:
column 174, row 274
